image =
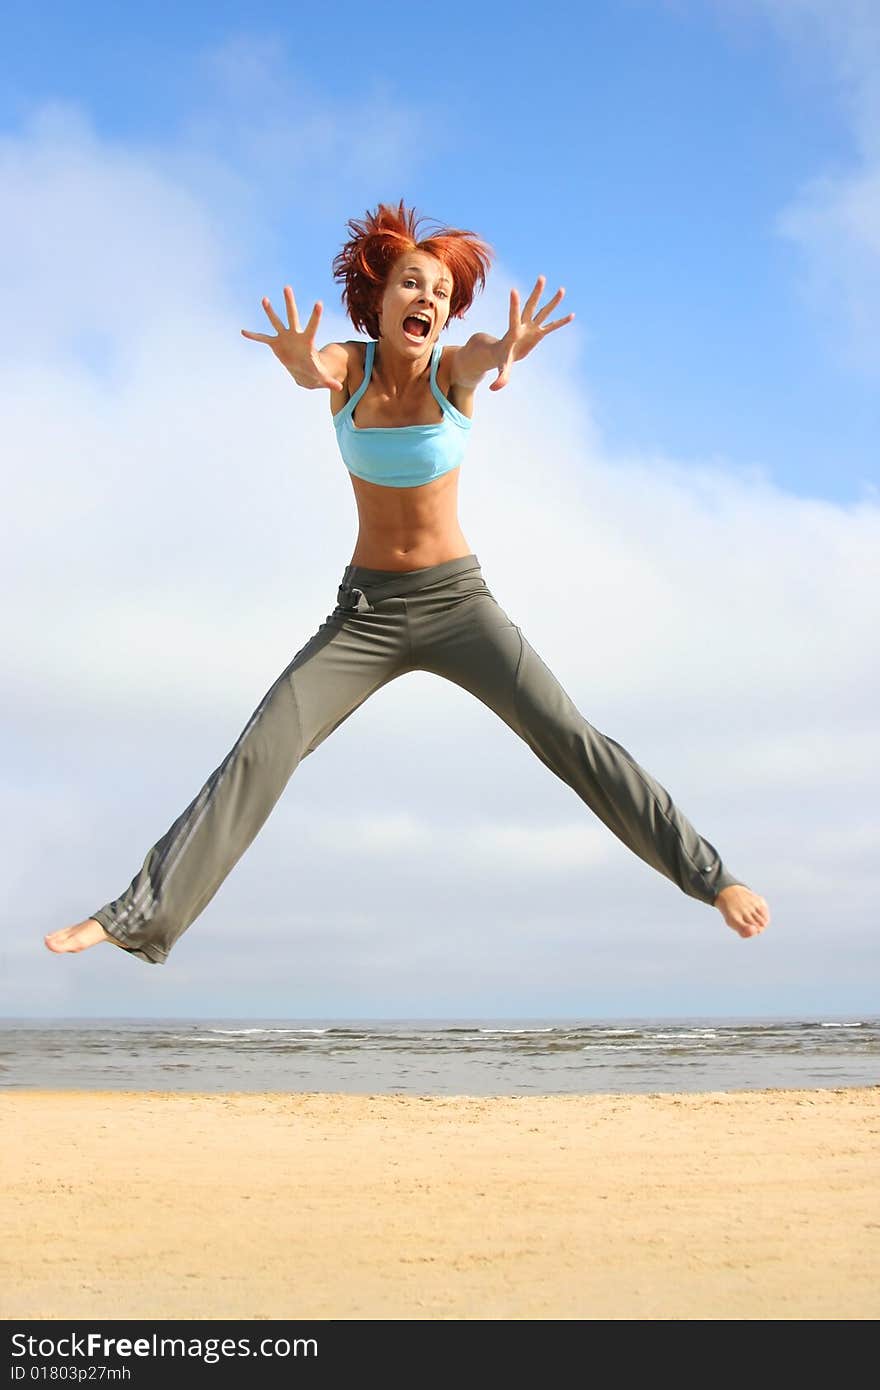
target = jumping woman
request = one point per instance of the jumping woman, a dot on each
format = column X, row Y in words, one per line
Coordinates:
column 413, row 597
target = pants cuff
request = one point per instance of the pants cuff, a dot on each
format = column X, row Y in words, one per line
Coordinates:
column 723, row 879
column 153, row 955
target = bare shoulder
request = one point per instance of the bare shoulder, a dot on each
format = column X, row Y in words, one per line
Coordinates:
column 462, row 397
column 346, row 362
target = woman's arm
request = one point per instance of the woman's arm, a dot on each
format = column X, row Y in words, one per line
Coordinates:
column 295, row 348
column 482, row 353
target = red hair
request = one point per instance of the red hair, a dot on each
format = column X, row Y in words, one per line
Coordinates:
column 367, row 256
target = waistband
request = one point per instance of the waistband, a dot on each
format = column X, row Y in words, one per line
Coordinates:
column 362, row 587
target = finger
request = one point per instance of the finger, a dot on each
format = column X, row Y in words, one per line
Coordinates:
column 332, row 383
column 529, row 307
column 312, row 325
column 256, row 337
column 292, row 315
column 560, row 323
column 549, row 306
column 502, row 378
column 273, row 317
column 514, row 308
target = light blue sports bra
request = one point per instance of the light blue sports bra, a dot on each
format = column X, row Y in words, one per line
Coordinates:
column 402, row 455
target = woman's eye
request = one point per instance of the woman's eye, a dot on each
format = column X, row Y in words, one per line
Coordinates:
column 412, row 282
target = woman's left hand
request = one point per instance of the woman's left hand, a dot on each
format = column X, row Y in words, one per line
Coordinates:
column 525, row 331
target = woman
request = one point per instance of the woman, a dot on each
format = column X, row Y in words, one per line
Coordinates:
column 413, row 596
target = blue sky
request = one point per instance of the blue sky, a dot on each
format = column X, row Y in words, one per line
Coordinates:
column 676, row 499
column 641, row 153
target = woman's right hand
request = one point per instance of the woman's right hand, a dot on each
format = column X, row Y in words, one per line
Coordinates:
column 295, row 347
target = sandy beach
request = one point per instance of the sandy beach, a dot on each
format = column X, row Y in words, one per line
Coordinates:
column 753, row 1205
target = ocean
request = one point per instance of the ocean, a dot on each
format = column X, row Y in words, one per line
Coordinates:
column 439, row 1057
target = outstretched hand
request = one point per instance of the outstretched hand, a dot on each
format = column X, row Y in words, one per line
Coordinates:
column 525, row 331
column 295, row 347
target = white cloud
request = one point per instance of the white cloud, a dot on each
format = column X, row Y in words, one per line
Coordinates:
column 176, row 523
column 834, row 220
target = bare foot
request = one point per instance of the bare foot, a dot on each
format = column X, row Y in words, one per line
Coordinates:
column 78, row 938
column 743, row 910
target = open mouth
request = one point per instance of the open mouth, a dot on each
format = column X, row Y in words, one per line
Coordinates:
column 416, row 329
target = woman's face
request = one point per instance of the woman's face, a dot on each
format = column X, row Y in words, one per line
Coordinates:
column 415, row 302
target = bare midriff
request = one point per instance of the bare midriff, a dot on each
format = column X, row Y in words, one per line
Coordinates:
column 408, row 528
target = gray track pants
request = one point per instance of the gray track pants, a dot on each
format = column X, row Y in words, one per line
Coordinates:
column 441, row 619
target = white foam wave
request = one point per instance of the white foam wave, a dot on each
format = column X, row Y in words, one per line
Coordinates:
column 516, row 1030
column 267, row 1032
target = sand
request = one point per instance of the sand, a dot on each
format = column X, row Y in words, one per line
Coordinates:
column 757, row 1205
